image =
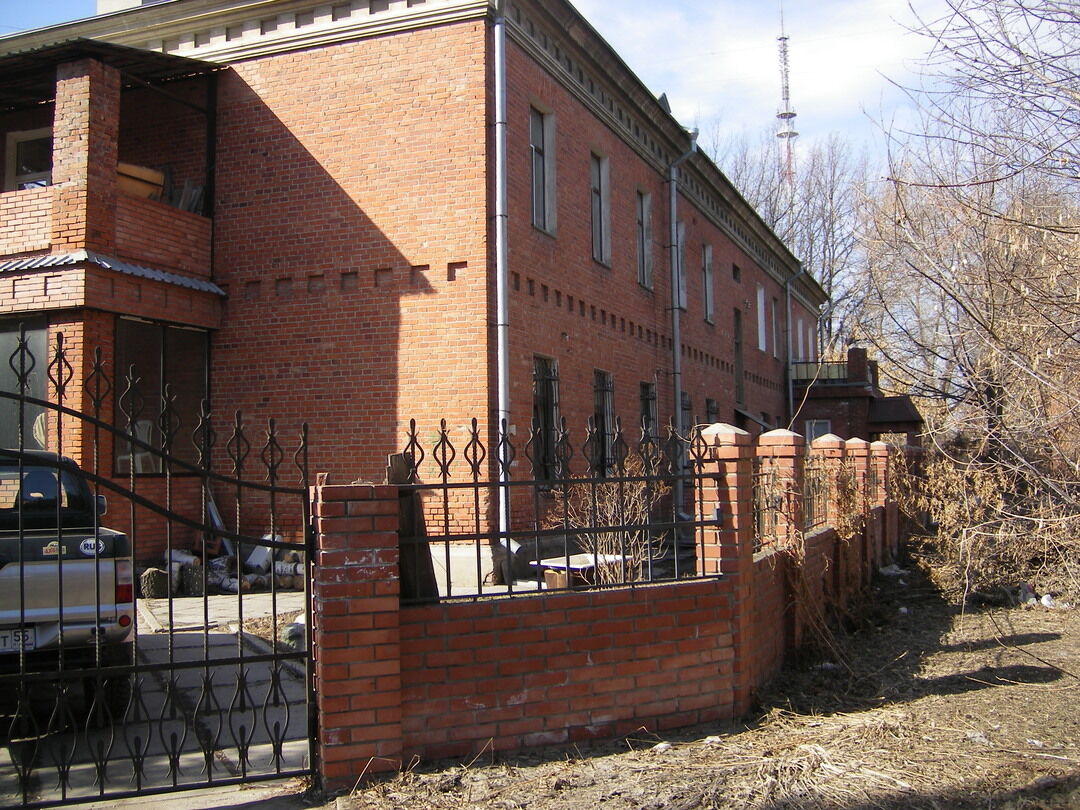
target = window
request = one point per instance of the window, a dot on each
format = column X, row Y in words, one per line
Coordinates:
column 644, row 239
column 680, row 262
column 761, row 326
column 687, row 412
column 712, row 411
column 738, row 359
column 35, row 419
column 708, row 303
column 604, row 421
column 736, row 273
column 159, row 355
column 775, row 329
column 541, row 140
column 29, row 159
column 647, row 394
column 816, row 428
column 801, row 353
column 811, row 343
column 545, row 417
column 598, row 196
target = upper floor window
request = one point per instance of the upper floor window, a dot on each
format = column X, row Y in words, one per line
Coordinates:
column 29, row 159
column 775, row 328
column 761, row 326
column 541, row 141
column 707, row 299
column 800, row 353
column 599, row 202
column 736, row 273
column 644, row 239
column 680, row 263
column 712, row 411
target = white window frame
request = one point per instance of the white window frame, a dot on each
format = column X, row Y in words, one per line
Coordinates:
column 811, row 340
column 801, row 353
column 11, row 180
column 600, row 206
column 643, row 234
column 542, row 182
column 762, row 334
column 708, row 297
column 815, row 428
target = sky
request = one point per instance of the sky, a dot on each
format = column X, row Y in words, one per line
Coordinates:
column 717, row 60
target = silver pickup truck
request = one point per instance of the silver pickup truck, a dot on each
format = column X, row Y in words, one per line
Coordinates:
column 66, row 591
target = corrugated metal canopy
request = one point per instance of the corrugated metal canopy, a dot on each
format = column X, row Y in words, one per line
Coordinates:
column 29, row 77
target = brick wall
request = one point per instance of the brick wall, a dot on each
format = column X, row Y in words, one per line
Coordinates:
column 558, row 668
column 351, row 234
column 25, row 215
column 165, row 238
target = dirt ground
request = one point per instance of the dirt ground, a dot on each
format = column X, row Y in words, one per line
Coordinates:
column 928, row 707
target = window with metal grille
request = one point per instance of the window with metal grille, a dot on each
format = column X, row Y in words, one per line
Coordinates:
column 687, row 412
column 545, row 417
column 604, row 420
column 157, row 356
column 712, row 411
column 647, row 395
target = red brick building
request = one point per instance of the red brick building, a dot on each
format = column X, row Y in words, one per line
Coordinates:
column 297, row 208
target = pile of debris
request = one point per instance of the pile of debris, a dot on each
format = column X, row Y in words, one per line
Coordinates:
column 186, row 574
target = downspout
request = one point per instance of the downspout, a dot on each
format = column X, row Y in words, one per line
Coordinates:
column 676, row 292
column 502, row 320
column 787, row 349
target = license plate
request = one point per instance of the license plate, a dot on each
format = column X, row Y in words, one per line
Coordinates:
column 12, row 638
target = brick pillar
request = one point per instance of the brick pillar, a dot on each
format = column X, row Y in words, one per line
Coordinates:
column 858, row 453
column 879, row 461
column 86, row 123
column 356, row 631
column 731, row 501
column 782, row 451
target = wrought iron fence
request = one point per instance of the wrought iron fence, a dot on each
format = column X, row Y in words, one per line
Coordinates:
column 109, row 692
column 549, row 513
column 815, row 494
column 768, row 497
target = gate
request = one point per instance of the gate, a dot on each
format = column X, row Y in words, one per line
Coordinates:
column 160, row 644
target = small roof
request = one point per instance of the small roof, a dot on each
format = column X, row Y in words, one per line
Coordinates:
column 893, row 410
column 29, row 77
column 47, row 260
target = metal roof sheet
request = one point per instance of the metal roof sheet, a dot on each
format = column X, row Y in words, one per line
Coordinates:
column 83, row 256
column 29, row 77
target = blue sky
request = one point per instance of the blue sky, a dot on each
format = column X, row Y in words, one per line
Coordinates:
column 717, row 59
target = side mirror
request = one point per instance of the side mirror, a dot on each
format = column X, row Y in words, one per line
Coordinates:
column 102, row 504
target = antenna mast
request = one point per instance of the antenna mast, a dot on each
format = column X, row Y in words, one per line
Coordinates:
column 785, row 129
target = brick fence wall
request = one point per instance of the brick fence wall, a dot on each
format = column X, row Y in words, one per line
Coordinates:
column 448, row 680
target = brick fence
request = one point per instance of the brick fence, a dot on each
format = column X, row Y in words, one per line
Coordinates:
column 397, row 682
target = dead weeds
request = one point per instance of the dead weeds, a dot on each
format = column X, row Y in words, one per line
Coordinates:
column 941, row 709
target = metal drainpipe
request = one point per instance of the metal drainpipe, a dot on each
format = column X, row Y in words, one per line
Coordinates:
column 787, row 348
column 676, row 333
column 502, row 320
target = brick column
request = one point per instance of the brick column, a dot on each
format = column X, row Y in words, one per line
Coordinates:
column 879, row 461
column 356, row 631
column 782, row 451
column 858, row 453
column 86, row 124
column 731, row 544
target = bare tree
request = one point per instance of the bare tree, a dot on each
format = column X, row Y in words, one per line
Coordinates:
column 973, row 283
column 816, row 217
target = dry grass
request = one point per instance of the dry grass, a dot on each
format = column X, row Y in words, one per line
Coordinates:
column 941, row 710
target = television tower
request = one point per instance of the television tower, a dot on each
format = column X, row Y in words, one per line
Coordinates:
column 785, row 128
